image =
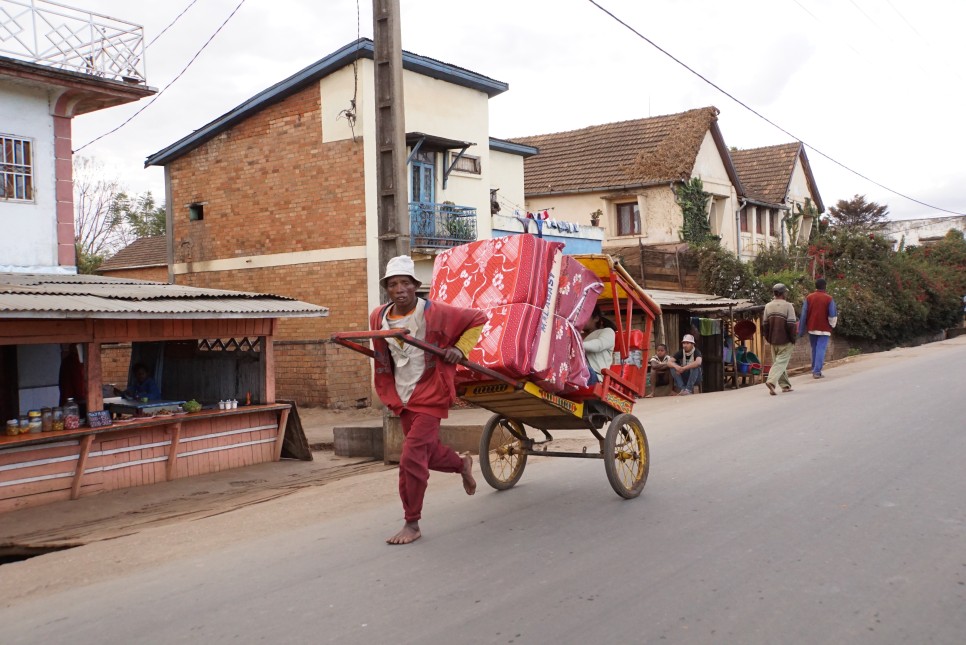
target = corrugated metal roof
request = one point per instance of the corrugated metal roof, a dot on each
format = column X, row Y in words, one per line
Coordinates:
column 683, row 299
column 84, row 296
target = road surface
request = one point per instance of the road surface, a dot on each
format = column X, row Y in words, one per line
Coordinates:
column 832, row 514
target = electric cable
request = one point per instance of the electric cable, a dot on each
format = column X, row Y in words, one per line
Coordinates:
column 158, row 95
column 763, row 117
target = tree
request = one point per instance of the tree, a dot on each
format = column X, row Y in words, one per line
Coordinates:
column 98, row 226
column 857, row 214
column 143, row 217
column 106, row 219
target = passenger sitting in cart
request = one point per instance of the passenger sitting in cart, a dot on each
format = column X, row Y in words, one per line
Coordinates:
column 599, row 339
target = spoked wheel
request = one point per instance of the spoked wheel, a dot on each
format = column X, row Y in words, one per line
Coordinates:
column 502, row 453
column 626, row 455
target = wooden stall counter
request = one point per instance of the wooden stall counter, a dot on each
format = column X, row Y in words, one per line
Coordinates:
column 44, row 467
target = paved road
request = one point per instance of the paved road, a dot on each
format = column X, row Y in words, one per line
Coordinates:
column 834, row 514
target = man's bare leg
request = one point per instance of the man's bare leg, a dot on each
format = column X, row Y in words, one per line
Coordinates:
column 409, row 533
column 469, row 484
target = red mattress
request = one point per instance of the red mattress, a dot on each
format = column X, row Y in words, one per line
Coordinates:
column 496, row 272
column 567, row 368
column 506, row 344
column 577, row 292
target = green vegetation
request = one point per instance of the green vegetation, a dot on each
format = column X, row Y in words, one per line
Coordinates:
column 884, row 296
column 694, row 205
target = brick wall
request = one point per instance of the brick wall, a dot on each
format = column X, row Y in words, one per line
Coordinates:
column 154, row 274
column 270, row 185
column 115, row 359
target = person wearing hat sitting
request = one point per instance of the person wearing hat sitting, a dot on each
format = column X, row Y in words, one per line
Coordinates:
column 418, row 386
column 686, row 366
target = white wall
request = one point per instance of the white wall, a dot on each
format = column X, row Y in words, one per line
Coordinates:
column 506, row 174
column 714, row 175
column 29, row 237
column 433, row 107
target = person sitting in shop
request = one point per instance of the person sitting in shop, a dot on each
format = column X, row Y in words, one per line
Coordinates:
column 660, row 365
column 142, row 387
column 686, row 366
column 599, row 340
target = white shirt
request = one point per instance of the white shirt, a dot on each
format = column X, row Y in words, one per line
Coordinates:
column 409, row 360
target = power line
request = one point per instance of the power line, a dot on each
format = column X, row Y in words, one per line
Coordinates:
column 171, row 24
column 158, row 95
column 763, row 117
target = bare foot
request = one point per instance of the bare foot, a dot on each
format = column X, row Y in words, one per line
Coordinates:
column 469, row 484
column 409, row 533
column 649, row 396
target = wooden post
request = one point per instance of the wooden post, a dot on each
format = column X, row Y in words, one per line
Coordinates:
column 280, row 438
column 95, row 398
column 268, row 367
column 85, row 449
column 170, row 468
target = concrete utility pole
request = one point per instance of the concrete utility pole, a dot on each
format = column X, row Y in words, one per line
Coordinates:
column 391, row 184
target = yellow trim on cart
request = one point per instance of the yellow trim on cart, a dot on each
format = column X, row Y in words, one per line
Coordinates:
column 482, row 393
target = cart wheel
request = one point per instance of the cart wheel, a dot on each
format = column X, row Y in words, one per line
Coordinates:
column 502, row 454
column 626, row 455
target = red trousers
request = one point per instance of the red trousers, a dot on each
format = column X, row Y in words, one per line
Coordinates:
column 422, row 451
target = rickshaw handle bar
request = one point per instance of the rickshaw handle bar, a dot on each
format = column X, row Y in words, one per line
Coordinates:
column 347, row 339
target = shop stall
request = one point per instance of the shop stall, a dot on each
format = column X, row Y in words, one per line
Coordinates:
column 208, row 351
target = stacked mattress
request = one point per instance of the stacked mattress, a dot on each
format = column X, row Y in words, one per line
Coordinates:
column 535, row 300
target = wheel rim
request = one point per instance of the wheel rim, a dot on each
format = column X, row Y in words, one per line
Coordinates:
column 630, row 455
column 505, row 452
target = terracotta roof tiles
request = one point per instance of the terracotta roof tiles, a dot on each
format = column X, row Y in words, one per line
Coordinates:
column 766, row 172
column 142, row 252
column 642, row 151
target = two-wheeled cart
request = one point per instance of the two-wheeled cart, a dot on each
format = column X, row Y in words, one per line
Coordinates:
column 519, row 405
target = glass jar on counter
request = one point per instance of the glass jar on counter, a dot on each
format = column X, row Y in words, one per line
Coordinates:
column 71, row 415
column 47, row 419
column 13, row 427
column 58, row 419
column 34, row 422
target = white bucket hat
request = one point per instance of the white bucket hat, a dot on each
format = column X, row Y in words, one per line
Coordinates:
column 400, row 265
column 688, row 338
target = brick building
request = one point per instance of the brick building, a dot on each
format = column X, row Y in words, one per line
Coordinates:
column 278, row 196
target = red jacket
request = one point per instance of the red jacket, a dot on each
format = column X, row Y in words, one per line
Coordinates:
column 436, row 390
column 816, row 318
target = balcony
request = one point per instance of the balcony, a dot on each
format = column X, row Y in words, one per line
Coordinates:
column 52, row 34
column 440, row 226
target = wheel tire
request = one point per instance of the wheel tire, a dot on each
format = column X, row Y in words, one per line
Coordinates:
column 627, row 457
column 502, row 455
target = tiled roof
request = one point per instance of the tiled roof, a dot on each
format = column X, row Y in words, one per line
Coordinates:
column 143, row 252
column 643, row 151
column 766, row 172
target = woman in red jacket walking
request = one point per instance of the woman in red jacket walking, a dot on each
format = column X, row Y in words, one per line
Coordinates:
column 419, row 387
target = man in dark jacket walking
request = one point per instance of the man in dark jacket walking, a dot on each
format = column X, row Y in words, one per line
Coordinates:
column 779, row 330
column 819, row 316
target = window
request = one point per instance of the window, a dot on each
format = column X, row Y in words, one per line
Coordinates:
column 16, row 169
column 196, row 212
column 467, row 163
column 759, row 221
column 743, row 218
column 628, row 219
column 775, row 224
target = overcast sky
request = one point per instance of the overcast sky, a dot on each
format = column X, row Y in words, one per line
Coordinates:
column 877, row 85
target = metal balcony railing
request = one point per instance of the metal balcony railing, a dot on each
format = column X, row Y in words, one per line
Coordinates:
column 440, row 226
column 49, row 33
